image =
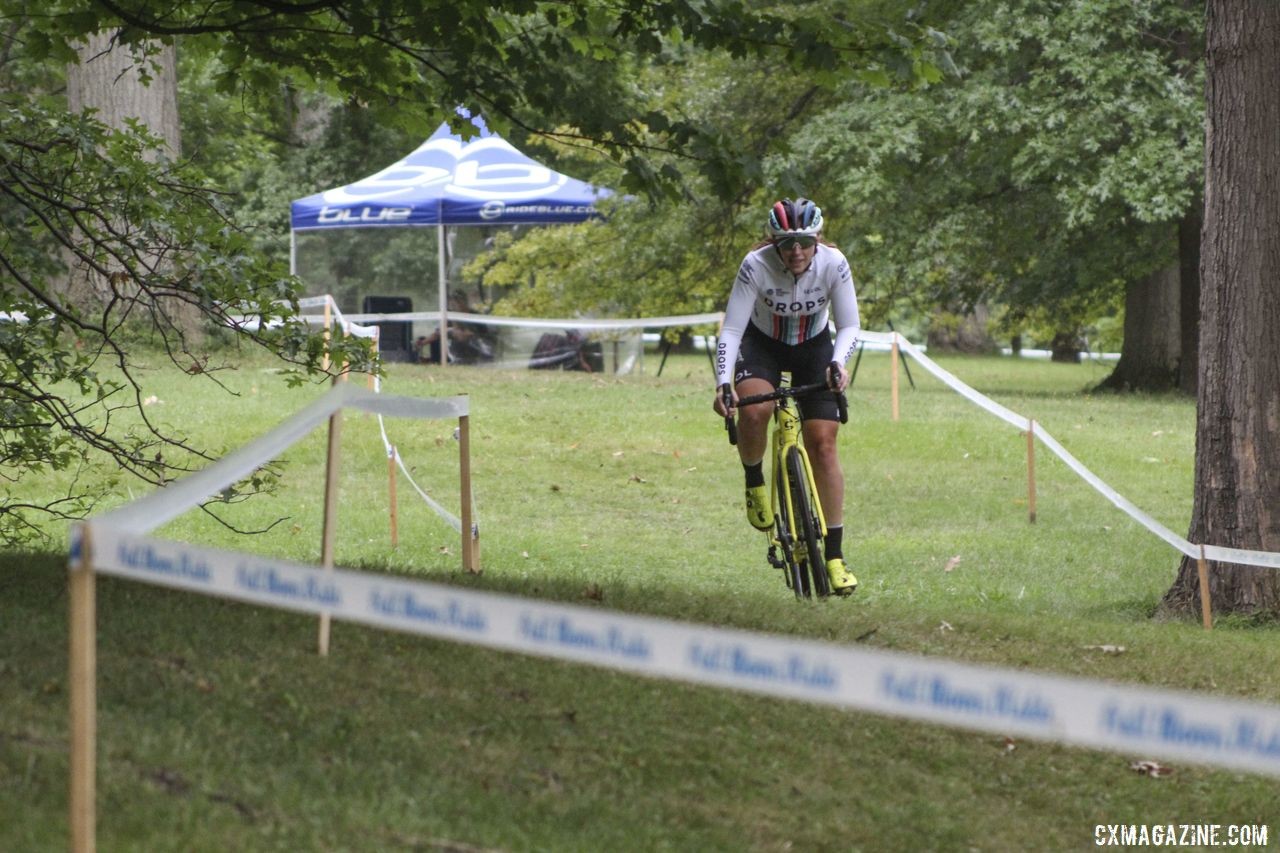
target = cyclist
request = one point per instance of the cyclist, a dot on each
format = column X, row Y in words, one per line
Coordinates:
column 787, row 292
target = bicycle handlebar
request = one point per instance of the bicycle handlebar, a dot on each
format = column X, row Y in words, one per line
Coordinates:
column 842, row 402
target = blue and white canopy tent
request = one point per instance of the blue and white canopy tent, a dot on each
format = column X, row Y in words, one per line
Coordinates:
column 447, row 182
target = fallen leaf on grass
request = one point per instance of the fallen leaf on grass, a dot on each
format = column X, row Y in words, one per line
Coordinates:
column 952, row 563
column 1010, row 744
column 1108, row 649
column 635, row 478
column 1151, row 768
column 945, row 626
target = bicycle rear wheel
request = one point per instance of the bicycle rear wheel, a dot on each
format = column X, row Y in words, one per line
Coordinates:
column 797, row 578
column 808, row 527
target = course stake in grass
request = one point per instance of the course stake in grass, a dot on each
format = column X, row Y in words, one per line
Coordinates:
column 893, row 375
column 391, row 491
column 330, row 508
column 1031, row 471
column 83, row 641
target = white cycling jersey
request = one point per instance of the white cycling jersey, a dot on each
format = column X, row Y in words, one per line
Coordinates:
column 789, row 308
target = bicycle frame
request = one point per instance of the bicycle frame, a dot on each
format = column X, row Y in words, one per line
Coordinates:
column 786, row 434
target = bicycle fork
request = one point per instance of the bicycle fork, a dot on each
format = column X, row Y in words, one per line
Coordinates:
column 787, row 434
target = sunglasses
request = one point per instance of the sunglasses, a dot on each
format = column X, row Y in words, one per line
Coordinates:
column 785, row 244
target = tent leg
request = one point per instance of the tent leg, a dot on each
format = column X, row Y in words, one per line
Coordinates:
column 443, row 269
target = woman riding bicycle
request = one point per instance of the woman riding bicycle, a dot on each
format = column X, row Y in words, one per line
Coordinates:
column 788, row 291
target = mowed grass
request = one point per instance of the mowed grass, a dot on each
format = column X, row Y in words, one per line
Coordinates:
column 220, row 728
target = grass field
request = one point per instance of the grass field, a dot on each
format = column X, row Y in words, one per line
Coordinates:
column 220, row 728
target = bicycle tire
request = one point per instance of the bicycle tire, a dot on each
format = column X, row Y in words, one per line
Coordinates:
column 796, row 577
column 808, row 527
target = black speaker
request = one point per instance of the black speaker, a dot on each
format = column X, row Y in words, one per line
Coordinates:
column 395, row 337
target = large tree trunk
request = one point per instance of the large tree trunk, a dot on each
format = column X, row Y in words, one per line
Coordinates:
column 1189, row 302
column 1237, row 471
column 120, row 85
column 112, row 81
column 1149, row 357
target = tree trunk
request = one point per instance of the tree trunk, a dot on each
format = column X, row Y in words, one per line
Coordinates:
column 1065, row 347
column 959, row 331
column 111, row 80
column 120, row 85
column 1189, row 302
column 1149, row 356
column 1237, row 470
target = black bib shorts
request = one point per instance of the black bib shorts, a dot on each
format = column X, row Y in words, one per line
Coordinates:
column 763, row 357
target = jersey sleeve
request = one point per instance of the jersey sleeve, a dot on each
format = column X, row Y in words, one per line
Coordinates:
column 844, row 312
column 737, row 315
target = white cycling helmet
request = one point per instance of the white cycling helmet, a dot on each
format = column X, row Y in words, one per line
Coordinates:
column 799, row 218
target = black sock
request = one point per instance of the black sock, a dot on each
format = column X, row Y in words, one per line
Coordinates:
column 755, row 474
column 834, row 542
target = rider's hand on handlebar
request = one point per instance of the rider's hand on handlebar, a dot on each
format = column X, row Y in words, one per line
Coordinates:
column 842, row 382
column 719, row 405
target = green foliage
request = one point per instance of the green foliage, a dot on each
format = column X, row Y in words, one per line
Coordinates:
column 525, row 65
column 1045, row 177
column 106, row 245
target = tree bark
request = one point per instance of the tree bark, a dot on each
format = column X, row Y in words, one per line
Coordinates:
column 1152, row 346
column 121, row 85
column 1189, row 302
column 111, row 80
column 1066, row 346
column 1237, row 469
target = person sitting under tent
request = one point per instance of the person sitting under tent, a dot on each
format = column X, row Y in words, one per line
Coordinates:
column 570, row 351
column 469, row 343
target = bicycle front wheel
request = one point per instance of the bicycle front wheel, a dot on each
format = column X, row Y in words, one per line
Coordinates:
column 792, row 563
column 808, row 527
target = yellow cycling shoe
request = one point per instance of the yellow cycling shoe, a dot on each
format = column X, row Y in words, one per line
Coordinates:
column 842, row 580
column 758, row 512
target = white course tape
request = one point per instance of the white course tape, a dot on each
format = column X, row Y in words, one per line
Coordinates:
column 169, row 502
column 959, row 387
column 449, row 518
column 1265, row 559
column 571, row 323
column 1225, row 732
column 1123, row 503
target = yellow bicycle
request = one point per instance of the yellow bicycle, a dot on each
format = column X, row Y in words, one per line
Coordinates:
column 795, row 541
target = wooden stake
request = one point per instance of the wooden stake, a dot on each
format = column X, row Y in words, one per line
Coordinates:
column 330, row 513
column 391, row 479
column 1031, row 471
column 328, row 322
column 373, row 365
column 83, row 695
column 470, row 543
column 893, row 375
column 1206, row 608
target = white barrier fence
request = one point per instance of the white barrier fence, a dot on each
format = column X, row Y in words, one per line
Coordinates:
column 1199, row 728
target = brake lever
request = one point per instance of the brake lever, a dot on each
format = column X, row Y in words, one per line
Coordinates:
column 726, row 396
